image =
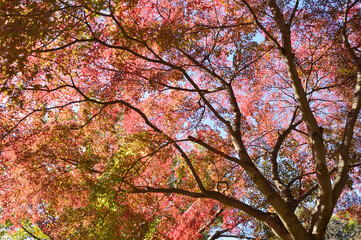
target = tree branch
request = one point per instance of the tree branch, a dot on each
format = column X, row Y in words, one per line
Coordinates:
column 210, row 148
column 293, row 14
column 30, row 233
column 273, row 159
column 258, row 23
column 147, row 121
column 342, row 171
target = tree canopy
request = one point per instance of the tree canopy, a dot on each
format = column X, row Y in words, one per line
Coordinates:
column 158, row 119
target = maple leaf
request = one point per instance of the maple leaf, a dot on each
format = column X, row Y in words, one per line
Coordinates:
column 174, row 119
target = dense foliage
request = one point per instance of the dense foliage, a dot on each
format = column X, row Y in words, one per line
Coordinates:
column 158, row 119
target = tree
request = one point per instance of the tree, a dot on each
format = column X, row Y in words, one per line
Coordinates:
column 156, row 119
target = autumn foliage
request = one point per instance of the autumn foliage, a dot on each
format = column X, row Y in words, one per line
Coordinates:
column 158, row 119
